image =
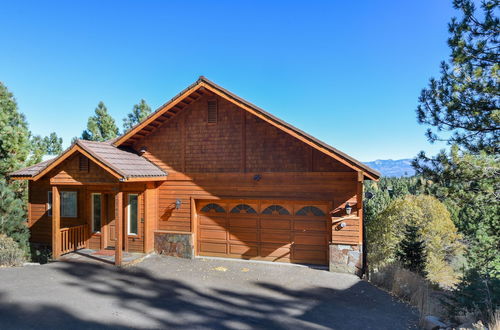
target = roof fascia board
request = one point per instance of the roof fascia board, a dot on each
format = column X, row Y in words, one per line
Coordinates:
column 164, row 108
column 285, row 129
column 145, row 179
column 21, row 178
column 206, row 84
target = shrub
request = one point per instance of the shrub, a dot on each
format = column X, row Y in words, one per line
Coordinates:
column 40, row 254
column 10, row 253
column 478, row 294
column 435, row 227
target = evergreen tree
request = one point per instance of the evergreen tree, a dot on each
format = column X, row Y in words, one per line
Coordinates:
column 465, row 100
column 14, row 134
column 139, row 113
column 13, row 216
column 411, row 250
column 101, row 126
column 18, row 148
column 48, row 145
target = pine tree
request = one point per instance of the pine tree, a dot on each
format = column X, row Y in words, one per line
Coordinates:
column 48, row 145
column 411, row 250
column 465, row 100
column 101, row 126
column 139, row 113
column 14, row 134
column 18, row 148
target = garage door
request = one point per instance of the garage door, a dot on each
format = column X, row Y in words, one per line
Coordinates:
column 279, row 230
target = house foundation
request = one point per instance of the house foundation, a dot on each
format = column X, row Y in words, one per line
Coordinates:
column 346, row 259
column 174, row 244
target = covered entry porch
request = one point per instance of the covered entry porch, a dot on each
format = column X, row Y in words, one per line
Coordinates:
column 96, row 196
column 114, row 219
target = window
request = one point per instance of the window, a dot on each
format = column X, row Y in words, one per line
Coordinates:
column 132, row 213
column 310, row 210
column 212, row 111
column 49, row 203
column 243, row 208
column 83, row 164
column 213, row 207
column 276, row 209
column 69, row 204
column 96, row 212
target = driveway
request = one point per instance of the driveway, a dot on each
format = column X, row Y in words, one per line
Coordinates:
column 164, row 292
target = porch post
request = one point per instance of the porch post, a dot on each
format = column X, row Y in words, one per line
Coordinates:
column 149, row 216
column 119, row 228
column 56, row 223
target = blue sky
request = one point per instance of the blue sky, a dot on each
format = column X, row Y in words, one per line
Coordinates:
column 347, row 72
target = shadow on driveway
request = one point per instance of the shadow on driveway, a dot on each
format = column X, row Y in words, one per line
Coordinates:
column 168, row 293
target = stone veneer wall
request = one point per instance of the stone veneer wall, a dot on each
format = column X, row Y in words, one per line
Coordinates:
column 346, row 259
column 174, row 244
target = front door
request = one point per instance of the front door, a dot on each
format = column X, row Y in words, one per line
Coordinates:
column 111, row 216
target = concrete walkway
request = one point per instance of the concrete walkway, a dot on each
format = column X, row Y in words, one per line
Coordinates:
column 164, row 292
column 103, row 256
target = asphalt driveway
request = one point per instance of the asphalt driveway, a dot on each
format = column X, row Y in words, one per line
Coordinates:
column 193, row 294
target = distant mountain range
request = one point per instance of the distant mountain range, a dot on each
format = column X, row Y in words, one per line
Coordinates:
column 389, row 167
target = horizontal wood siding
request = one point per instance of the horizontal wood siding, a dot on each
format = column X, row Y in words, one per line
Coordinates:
column 217, row 160
column 337, row 188
column 239, row 156
column 39, row 222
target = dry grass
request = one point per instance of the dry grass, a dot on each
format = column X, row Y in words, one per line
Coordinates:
column 410, row 287
column 418, row 292
column 494, row 323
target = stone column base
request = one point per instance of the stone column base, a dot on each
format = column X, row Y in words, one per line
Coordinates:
column 346, row 259
column 174, row 244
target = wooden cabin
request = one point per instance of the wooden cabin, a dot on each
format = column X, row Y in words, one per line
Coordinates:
column 207, row 174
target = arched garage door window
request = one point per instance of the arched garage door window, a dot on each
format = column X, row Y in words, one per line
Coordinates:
column 213, row 207
column 310, row 210
column 243, row 208
column 276, row 209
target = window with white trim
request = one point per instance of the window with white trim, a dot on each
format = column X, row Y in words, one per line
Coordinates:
column 133, row 214
column 49, row 203
column 96, row 212
column 69, row 204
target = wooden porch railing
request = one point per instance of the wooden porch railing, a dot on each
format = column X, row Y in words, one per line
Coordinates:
column 73, row 238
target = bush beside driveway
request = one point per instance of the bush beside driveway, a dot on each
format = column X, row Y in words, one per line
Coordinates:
column 164, row 292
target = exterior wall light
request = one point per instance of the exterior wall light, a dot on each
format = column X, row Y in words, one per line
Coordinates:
column 178, row 204
column 348, row 208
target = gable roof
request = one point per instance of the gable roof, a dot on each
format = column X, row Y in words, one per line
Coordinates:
column 193, row 92
column 31, row 170
column 122, row 164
